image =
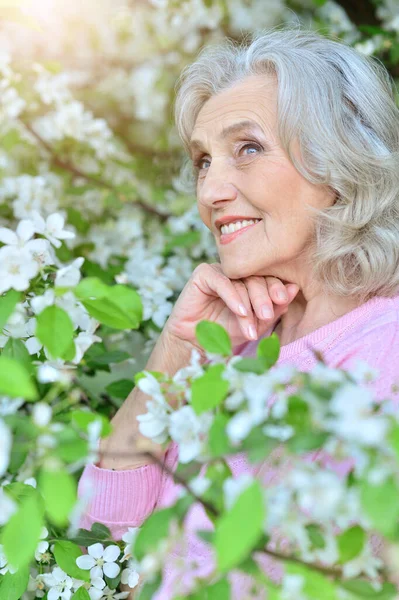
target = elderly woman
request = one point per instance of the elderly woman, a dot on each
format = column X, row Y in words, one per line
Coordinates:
column 294, row 141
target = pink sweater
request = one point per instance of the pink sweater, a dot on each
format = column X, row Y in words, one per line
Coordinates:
column 124, row 499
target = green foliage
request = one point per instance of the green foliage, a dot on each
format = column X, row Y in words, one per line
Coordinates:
column 8, row 302
column 98, row 533
column 240, row 528
column 380, row 504
column 155, row 528
column 219, row 443
column 15, row 380
column 351, row 543
column 117, row 306
column 209, row 390
column 58, row 488
column 12, row 586
column 268, row 350
column 66, row 553
column 120, row 389
column 213, row 338
column 81, row 594
column 21, row 534
column 16, row 350
column 83, row 418
column 55, row 331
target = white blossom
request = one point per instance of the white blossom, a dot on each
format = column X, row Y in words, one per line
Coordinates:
column 190, row 431
column 7, row 507
column 5, row 446
column 5, row 566
column 59, row 584
column 41, row 414
column 100, row 560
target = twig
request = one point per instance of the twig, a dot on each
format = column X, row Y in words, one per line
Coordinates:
column 182, row 482
column 57, row 161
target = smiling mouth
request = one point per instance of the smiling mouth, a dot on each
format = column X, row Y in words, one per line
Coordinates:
column 225, row 238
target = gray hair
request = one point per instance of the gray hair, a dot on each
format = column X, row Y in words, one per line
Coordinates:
column 340, row 106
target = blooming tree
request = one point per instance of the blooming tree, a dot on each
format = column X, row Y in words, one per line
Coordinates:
column 98, row 235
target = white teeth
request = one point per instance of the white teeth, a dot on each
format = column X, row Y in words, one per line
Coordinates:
column 237, row 225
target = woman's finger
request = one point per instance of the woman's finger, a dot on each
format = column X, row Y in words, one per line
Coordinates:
column 213, row 281
column 245, row 323
column 277, row 290
column 260, row 298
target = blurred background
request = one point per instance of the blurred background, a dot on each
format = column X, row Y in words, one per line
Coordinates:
column 86, row 128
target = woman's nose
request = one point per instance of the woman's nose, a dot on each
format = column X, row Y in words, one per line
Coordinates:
column 216, row 187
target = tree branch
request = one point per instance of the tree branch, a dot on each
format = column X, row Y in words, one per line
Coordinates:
column 66, row 166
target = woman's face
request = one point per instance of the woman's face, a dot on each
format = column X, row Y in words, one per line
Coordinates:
column 245, row 173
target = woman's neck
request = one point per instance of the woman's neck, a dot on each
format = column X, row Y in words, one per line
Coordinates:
column 308, row 314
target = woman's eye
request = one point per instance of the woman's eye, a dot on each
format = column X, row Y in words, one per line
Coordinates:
column 197, row 163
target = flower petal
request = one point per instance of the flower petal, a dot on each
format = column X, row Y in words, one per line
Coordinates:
column 85, row 562
column 111, row 553
column 7, row 236
column 96, row 550
column 111, row 570
column 96, row 572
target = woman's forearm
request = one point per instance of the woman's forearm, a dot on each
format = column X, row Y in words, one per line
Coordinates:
column 124, row 447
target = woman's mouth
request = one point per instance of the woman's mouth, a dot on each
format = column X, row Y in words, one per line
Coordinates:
column 227, row 237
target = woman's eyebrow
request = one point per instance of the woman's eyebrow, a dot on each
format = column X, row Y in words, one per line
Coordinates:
column 248, row 125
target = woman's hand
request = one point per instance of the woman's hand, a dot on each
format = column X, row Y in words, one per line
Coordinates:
column 210, row 295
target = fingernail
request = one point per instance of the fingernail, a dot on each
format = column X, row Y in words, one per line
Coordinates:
column 252, row 332
column 282, row 295
column 243, row 310
column 266, row 312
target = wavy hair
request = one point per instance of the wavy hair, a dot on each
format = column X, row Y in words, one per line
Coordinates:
column 340, row 106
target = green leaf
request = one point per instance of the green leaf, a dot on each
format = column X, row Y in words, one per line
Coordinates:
column 15, row 380
column 250, row 365
column 219, row 443
column 316, row 585
column 17, row 350
column 8, row 141
column 70, row 445
column 81, row 594
column 216, row 591
column 54, row 329
column 59, row 492
column 213, row 338
column 380, row 503
column 116, row 356
column 209, row 390
column 306, row 442
column 98, row 533
column 21, row 534
column 364, row 590
column 120, row 388
column 393, row 438
column 268, row 350
column 149, row 589
column 117, row 306
column 8, row 302
column 184, row 240
column 66, row 553
column 258, row 446
column 239, row 529
column 316, row 536
column 83, row 418
column 76, row 219
column 13, row 586
column 298, row 414
column 207, row 536
column 351, row 543
column 154, row 529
